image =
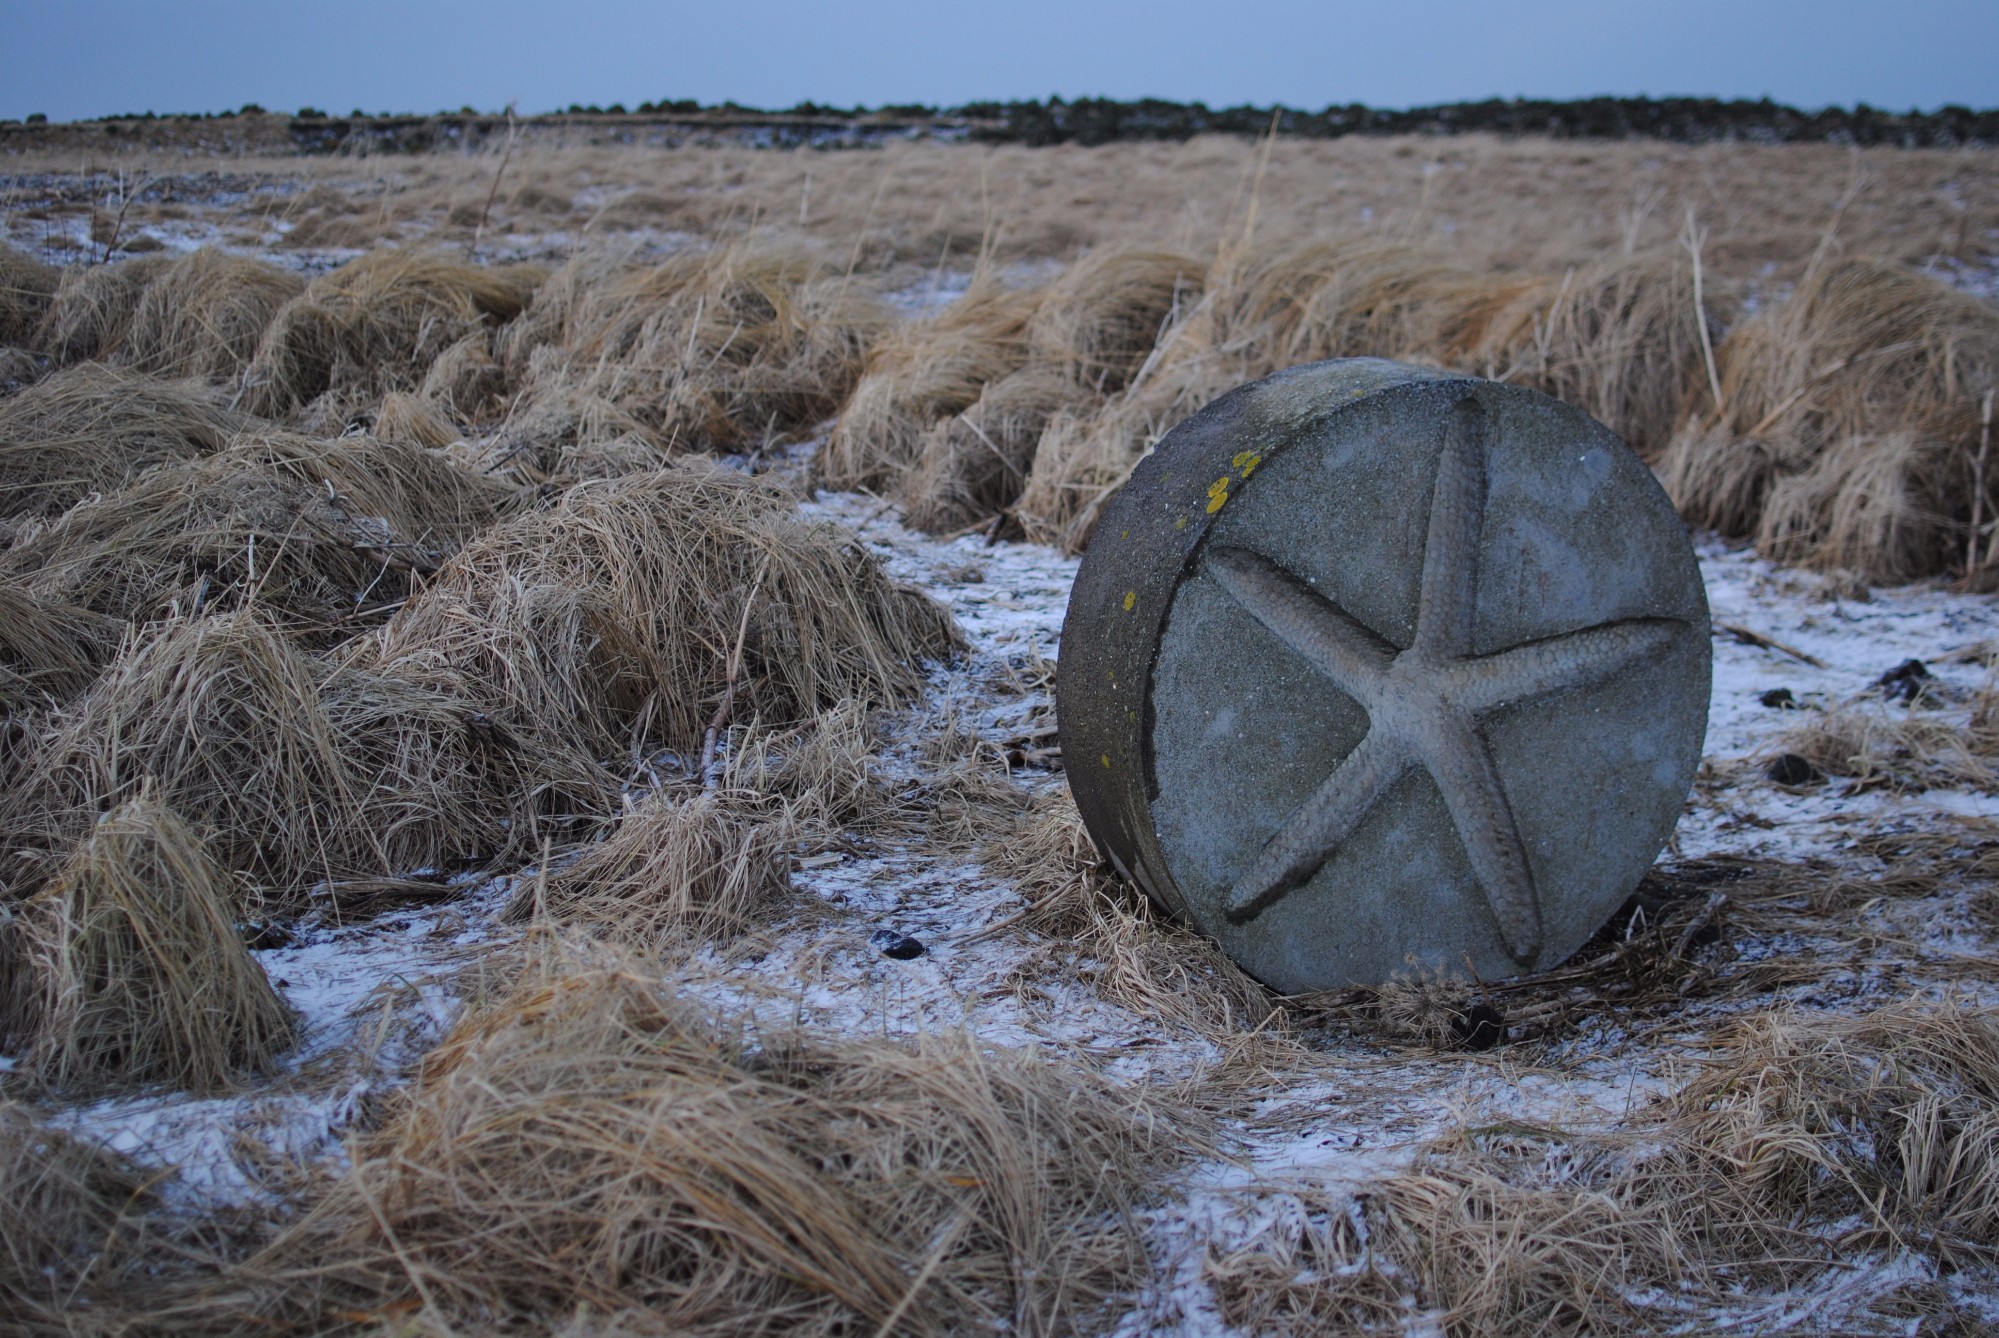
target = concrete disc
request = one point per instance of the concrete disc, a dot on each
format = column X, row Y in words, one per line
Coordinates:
column 1372, row 669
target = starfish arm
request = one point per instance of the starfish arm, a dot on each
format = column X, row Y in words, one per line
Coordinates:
column 1337, row 644
column 1450, row 550
column 1558, row 663
column 1463, row 768
column 1318, row 827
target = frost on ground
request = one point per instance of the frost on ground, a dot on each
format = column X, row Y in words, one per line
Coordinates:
column 1346, row 1102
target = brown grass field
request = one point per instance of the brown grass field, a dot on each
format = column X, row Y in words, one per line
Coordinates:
column 511, row 560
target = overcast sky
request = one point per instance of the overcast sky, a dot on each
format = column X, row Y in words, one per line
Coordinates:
column 79, row 58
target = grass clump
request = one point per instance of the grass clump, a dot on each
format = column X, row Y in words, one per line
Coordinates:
column 71, row 1211
column 93, row 429
column 616, row 615
column 202, row 315
column 93, row 308
column 1852, row 419
column 920, row 373
column 27, row 285
column 587, row 1144
column 974, row 465
column 134, row 972
column 374, row 325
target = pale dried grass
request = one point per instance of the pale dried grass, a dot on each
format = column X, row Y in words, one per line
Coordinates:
column 920, row 373
column 975, row 465
column 71, row 1209
column 94, row 428
column 614, row 615
column 93, row 308
column 1103, row 932
column 1859, row 409
column 202, row 315
column 133, row 970
column 374, row 325
column 1099, row 320
column 679, row 870
column 27, row 286
column 587, row 1144
column 1881, row 745
column 735, row 347
column 1619, row 338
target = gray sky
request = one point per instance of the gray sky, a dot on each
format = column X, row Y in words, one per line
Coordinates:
column 78, row 58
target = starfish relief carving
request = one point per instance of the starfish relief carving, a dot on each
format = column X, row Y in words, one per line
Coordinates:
column 1424, row 702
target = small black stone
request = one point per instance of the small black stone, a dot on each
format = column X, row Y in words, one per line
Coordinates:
column 899, row 946
column 1779, row 699
column 1790, row 769
column 1479, row 1027
column 1905, row 681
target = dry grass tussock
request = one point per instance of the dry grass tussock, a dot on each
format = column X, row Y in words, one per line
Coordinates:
column 27, row 285
column 49, row 651
column 131, row 968
column 1104, row 933
column 321, row 535
column 71, row 1211
column 743, row 344
column 679, row 870
column 1883, row 745
column 975, row 465
column 1892, row 1116
column 1626, row 339
column 921, row 372
column 375, row 325
column 1100, row 319
column 1808, row 1139
column 203, row 315
column 93, row 429
column 299, row 770
column 1852, row 423
column 587, row 1144
column 93, row 307
column 615, row 615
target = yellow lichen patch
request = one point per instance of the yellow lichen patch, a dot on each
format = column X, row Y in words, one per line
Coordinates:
column 1107, row 759
column 1218, row 493
column 1130, row 600
column 1247, row 461
column 1180, row 524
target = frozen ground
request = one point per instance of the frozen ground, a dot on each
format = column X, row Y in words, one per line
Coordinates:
column 375, row 994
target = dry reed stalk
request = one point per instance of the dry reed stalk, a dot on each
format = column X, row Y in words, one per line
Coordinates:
column 678, row 871
column 1850, row 425
column 375, row 325
column 93, row 308
column 134, row 970
column 588, row 1144
column 202, row 315
column 1622, row 338
column 1099, row 320
column 92, row 429
column 920, row 373
column 27, row 286
column 976, row 464
column 625, row 597
column 70, row 1209
column 747, row 343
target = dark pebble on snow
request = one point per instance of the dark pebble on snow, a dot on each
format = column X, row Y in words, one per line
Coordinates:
column 1905, row 681
column 1479, row 1027
column 899, row 946
column 1779, row 699
column 1790, row 769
